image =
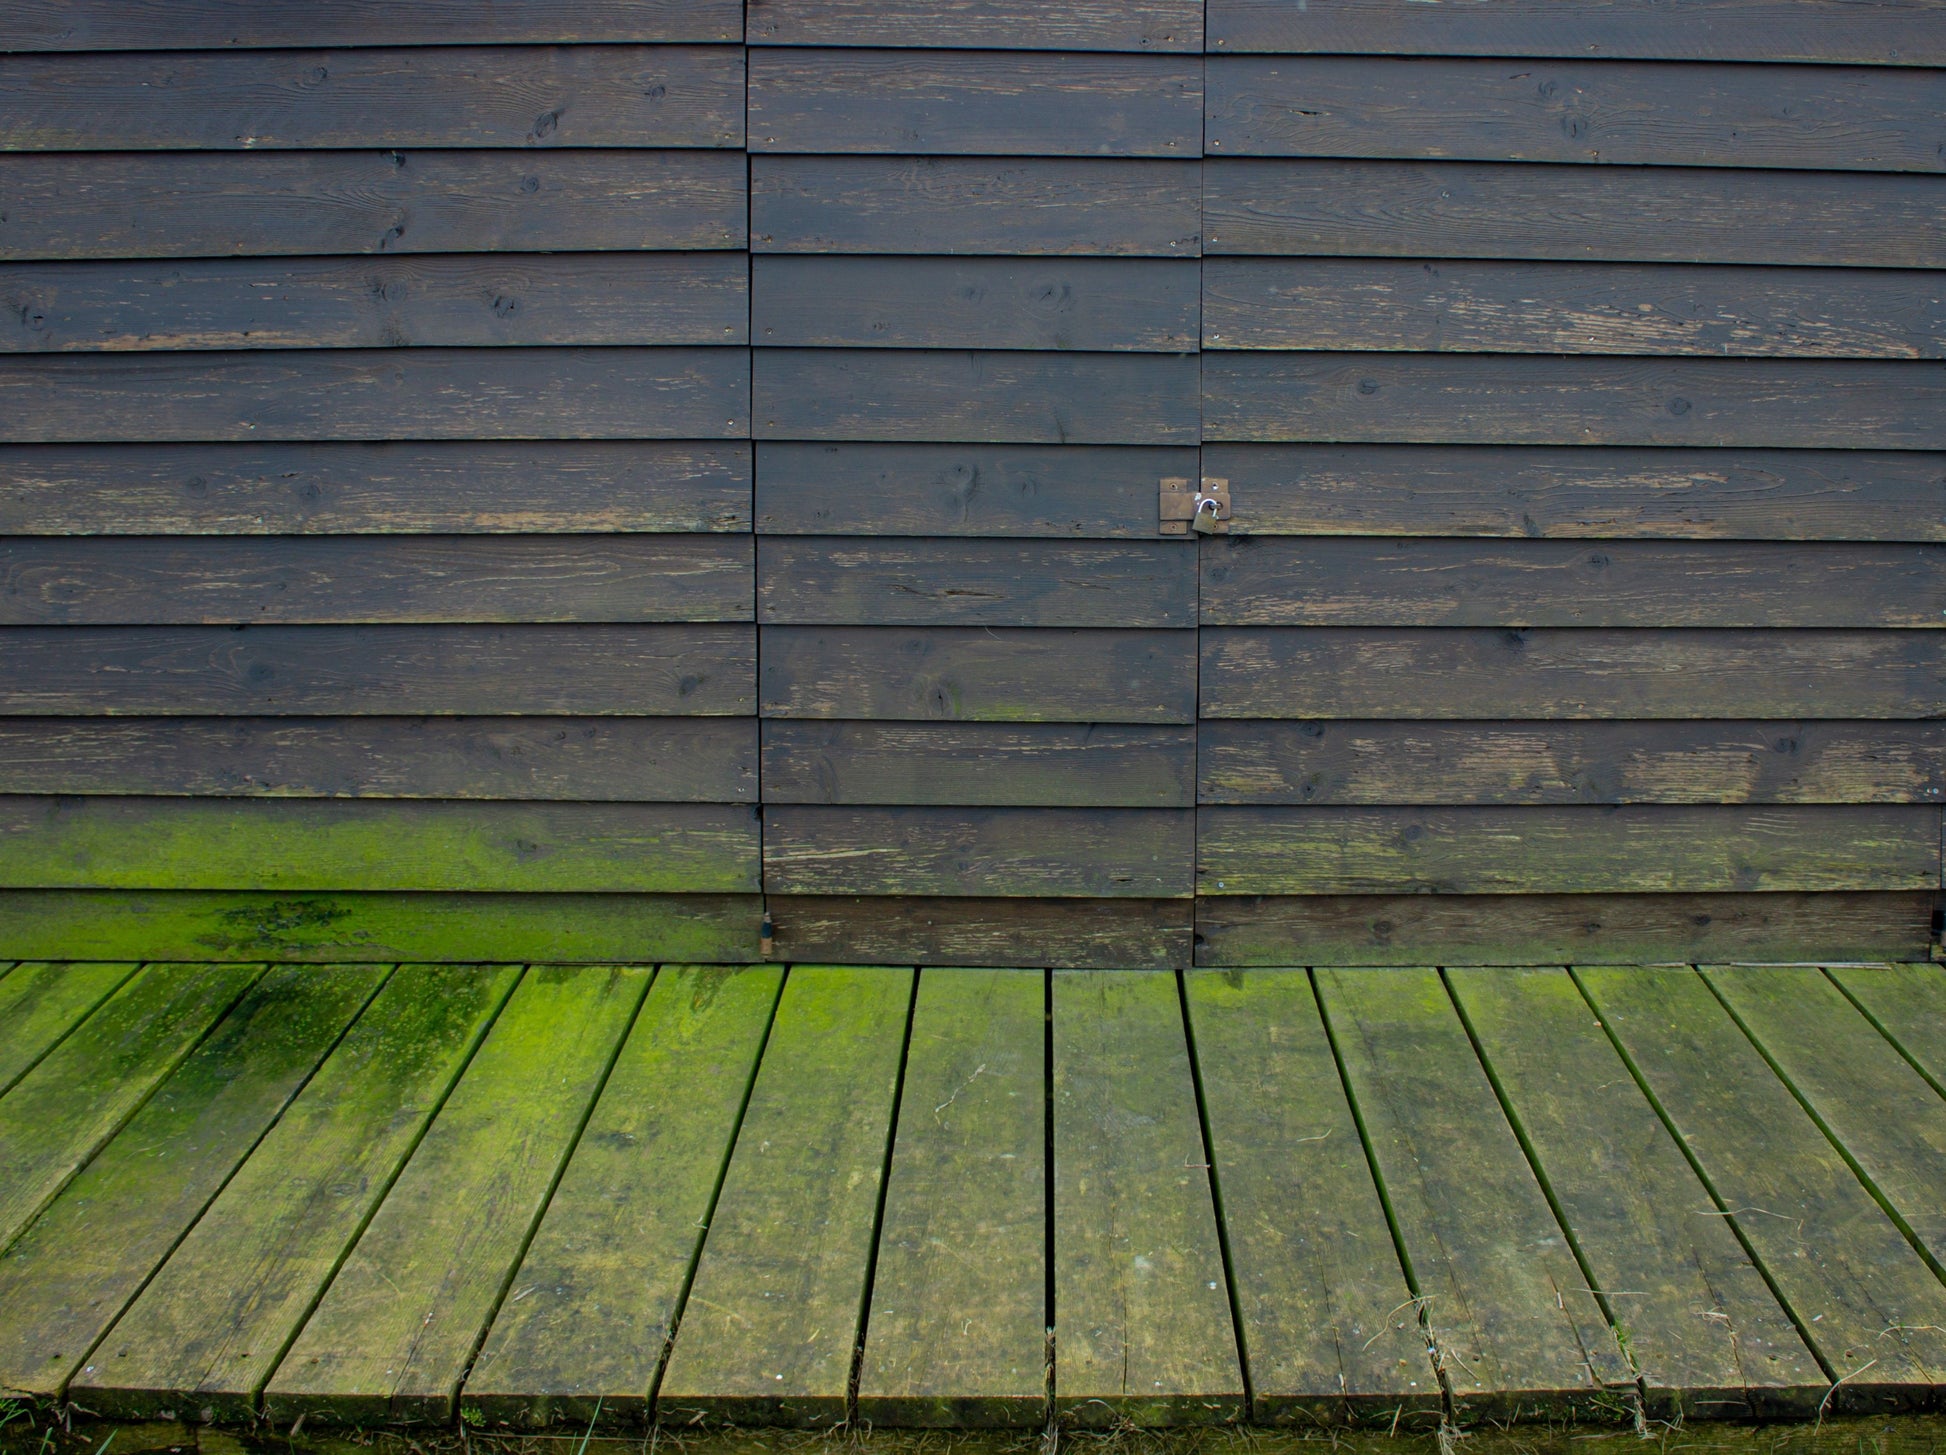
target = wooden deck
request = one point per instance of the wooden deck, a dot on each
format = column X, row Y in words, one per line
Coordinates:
column 515, row 1196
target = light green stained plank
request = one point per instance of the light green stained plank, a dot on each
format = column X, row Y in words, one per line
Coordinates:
column 1866, row 1302
column 395, row 1330
column 589, row 1313
column 772, row 1318
column 1329, row 1327
column 209, row 1329
column 1908, row 1002
column 40, row 1003
column 1514, row 1327
column 1706, row 1336
column 958, row 1328
column 67, row 1277
column 86, row 1088
column 1143, row 1331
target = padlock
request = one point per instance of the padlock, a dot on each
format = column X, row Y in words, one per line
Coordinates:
column 1204, row 521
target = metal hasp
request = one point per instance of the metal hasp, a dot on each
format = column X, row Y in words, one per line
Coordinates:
column 1184, row 507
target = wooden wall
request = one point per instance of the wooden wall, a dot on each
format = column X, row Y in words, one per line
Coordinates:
column 564, row 481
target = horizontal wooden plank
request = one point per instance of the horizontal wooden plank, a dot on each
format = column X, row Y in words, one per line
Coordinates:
column 975, row 764
column 1572, row 308
column 1142, row 304
column 840, row 582
column 390, row 927
column 348, row 844
column 1495, row 399
column 192, row 205
column 1615, row 112
column 976, row 674
column 1879, row 32
column 1561, row 763
column 629, row 671
column 458, row 487
column 1086, row 934
column 1109, row 853
column 1582, row 849
column 959, row 205
column 1348, row 581
column 113, row 25
column 965, row 490
column 1671, row 494
column 1560, row 929
column 378, row 393
column 980, row 103
column 471, row 96
column 1461, row 672
column 982, row 396
column 1088, row 25
column 380, row 302
column 1522, row 210
column 643, row 759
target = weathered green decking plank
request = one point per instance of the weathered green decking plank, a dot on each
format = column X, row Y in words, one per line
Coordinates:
column 1327, row 1322
column 1908, row 1003
column 1862, row 1298
column 588, row 1317
column 44, row 1001
column 773, row 1315
column 957, row 1332
column 1706, row 1337
column 212, row 1325
column 74, row 1270
column 1142, row 1325
column 68, row 1106
column 403, row 1317
column 1515, row 1330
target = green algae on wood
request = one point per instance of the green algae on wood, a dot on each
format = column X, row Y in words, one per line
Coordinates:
column 42, row 1002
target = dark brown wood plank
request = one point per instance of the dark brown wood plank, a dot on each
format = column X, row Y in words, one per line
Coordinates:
column 1139, row 304
column 1101, row 934
column 676, row 670
column 970, row 764
column 1520, row 210
column 1495, row 399
column 1469, row 306
column 1268, row 581
column 959, row 205
column 997, row 396
column 74, row 25
column 1616, row 112
column 644, row 759
column 1563, row 763
column 475, row 96
column 1477, row 672
column 1487, row 490
column 375, row 488
column 1103, row 491
column 980, row 103
column 382, row 302
column 976, row 674
column 679, row 393
column 1104, row 853
column 840, row 582
column 1092, row 25
column 1559, row 929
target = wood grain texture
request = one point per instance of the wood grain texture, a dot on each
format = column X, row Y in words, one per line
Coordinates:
column 1619, row 112
column 1495, row 399
column 1670, row 494
column 996, row 396
column 679, row 670
column 401, row 487
column 1622, row 214
column 1106, row 25
column 1569, row 762
column 1461, row 672
column 1023, row 207
column 977, row 674
column 1094, row 934
column 1572, row 308
column 472, row 96
column 353, row 394
column 980, row 103
column 378, row 302
column 827, row 581
column 43, row 1002
column 1100, row 491
column 122, row 205
column 1906, row 1003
